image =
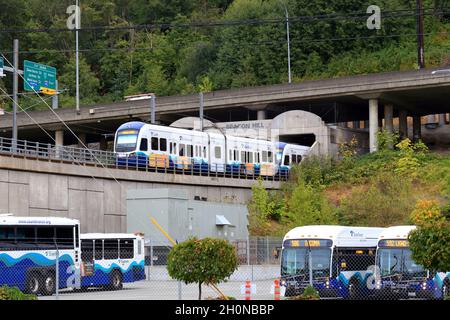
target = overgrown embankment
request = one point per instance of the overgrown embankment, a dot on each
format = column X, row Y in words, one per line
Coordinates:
column 379, row 189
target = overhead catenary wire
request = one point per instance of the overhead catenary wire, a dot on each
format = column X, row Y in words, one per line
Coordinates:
column 228, row 23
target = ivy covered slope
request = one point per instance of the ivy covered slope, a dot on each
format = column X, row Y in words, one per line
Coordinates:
column 379, row 189
column 178, row 58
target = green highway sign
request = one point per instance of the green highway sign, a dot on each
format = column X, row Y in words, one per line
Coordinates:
column 38, row 77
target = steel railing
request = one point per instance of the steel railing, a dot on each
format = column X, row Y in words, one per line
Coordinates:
column 108, row 159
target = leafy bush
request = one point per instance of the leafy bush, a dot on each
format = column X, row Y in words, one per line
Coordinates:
column 208, row 261
column 310, row 293
column 13, row 293
column 429, row 242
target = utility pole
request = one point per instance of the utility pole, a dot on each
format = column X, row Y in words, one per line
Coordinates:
column 420, row 42
column 201, row 111
column 288, row 44
column 153, row 110
column 15, row 89
column 78, row 18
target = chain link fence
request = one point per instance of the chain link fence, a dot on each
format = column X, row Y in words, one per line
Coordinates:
column 110, row 270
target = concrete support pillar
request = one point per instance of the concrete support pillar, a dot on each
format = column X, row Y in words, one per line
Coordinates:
column 59, row 138
column 389, row 122
column 417, row 132
column 442, row 119
column 82, row 137
column 103, row 143
column 356, row 125
column 59, row 142
column 403, row 124
column 373, row 124
column 261, row 114
column 389, row 118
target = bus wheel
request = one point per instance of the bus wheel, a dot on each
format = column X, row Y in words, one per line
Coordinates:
column 116, row 280
column 49, row 284
column 33, row 283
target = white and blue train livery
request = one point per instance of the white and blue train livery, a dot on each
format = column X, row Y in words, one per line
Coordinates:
column 335, row 259
column 109, row 260
column 399, row 275
column 138, row 143
column 29, row 247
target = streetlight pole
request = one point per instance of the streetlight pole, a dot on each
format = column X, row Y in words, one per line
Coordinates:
column 420, row 42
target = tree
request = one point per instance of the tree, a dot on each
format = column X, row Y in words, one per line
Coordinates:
column 208, row 261
column 429, row 242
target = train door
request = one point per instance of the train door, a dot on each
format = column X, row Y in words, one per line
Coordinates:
column 217, row 153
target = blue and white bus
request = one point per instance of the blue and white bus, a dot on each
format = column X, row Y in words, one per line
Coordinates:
column 29, row 247
column 399, row 276
column 109, row 260
column 337, row 259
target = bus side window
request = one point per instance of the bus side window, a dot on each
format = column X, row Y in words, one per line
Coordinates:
column 144, row 144
column 98, row 246
column 87, row 250
column 111, row 249
column 7, row 237
column 26, row 235
column 64, row 237
column 45, row 236
column 126, row 249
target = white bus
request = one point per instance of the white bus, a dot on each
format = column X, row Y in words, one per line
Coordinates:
column 109, row 260
column 400, row 276
column 335, row 258
column 29, row 247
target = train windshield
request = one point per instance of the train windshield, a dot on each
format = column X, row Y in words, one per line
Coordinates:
column 126, row 140
column 398, row 260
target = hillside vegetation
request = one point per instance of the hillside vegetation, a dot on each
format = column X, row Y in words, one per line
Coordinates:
column 379, row 189
column 232, row 44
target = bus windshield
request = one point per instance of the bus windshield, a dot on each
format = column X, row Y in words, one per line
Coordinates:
column 126, row 141
column 295, row 261
column 398, row 260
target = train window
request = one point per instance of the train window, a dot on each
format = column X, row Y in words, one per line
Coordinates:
column 182, row 148
column 218, row 152
column 171, row 148
column 264, row 156
column 154, row 143
column 286, row 160
column 243, row 156
column 144, row 144
column 163, row 144
column 250, row 157
column 189, row 149
column 236, row 155
column 269, row 156
column 258, row 157
column 231, row 155
column 204, row 152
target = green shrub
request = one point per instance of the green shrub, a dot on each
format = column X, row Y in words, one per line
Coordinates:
column 208, row 261
column 310, row 293
column 13, row 293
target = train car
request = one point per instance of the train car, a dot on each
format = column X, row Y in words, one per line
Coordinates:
column 141, row 144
